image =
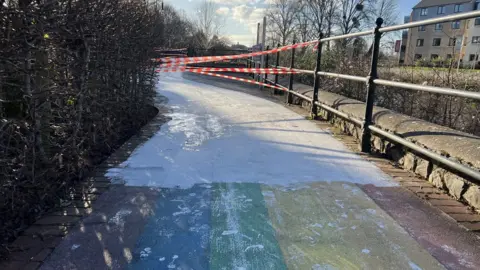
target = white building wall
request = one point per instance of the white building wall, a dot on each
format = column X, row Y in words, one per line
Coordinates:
column 470, row 48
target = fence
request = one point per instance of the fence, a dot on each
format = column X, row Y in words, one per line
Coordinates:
column 371, row 81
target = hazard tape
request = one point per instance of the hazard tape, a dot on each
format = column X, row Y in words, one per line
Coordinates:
column 240, row 79
column 172, row 61
column 242, row 70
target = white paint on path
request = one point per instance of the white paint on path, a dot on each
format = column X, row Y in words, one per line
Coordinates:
column 219, row 135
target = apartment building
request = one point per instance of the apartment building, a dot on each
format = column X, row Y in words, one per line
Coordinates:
column 403, row 42
column 457, row 40
column 471, row 42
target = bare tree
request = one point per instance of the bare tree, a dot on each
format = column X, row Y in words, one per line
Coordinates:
column 330, row 16
column 177, row 28
column 303, row 24
column 321, row 15
column 353, row 14
column 387, row 10
column 208, row 23
column 316, row 12
column 281, row 15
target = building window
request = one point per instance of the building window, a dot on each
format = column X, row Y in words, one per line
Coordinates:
column 476, row 39
column 423, row 12
column 476, row 5
column 419, row 42
column 438, row 27
column 449, row 56
column 452, row 42
column 418, row 56
column 456, row 25
column 434, row 56
column 421, row 28
column 436, row 41
column 458, row 8
column 477, row 21
column 471, row 57
column 441, row 10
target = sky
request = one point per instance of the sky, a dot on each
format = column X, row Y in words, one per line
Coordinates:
column 242, row 16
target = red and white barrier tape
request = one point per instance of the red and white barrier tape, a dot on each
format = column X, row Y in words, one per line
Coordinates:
column 240, row 79
column 243, row 70
column 169, row 61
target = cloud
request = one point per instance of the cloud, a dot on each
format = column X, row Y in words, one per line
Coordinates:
column 223, row 11
column 241, row 13
column 248, row 15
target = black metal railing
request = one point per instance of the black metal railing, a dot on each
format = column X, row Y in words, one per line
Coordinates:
column 372, row 80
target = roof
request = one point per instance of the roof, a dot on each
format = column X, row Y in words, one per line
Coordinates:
column 432, row 3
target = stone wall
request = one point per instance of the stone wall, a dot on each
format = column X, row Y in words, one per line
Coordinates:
column 458, row 146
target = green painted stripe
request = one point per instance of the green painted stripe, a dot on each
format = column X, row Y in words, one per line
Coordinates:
column 337, row 226
column 241, row 233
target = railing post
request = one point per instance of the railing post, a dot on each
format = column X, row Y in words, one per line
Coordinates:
column 316, row 77
column 290, row 83
column 249, row 63
column 277, row 63
column 266, row 65
column 252, row 65
column 366, row 132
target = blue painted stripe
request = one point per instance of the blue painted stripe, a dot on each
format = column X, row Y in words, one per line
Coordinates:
column 177, row 236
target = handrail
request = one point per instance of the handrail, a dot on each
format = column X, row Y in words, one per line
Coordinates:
column 367, row 124
column 356, row 34
column 343, row 76
column 432, row 89
column 303, row 71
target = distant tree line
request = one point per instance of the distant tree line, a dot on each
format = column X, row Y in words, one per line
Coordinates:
column 305, row 19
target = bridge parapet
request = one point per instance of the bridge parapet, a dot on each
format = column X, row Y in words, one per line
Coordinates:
column 458, row 146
